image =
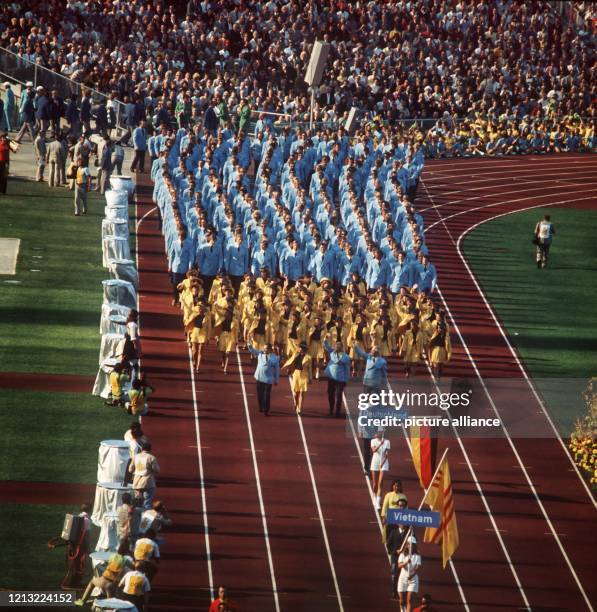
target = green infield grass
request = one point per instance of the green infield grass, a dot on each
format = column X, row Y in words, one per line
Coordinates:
column 54, row 437
column 49, row 320
column 551, row 314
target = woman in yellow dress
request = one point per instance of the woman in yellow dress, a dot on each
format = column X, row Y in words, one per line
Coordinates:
column 358, row 336
column 228, row 337
column 283, row 320
column 315, row 337
column 296, row 332
column 382, row 335
column 258, row 335
column 440, row 347
column 299, row 364
column 412, row 348
column 199, row 331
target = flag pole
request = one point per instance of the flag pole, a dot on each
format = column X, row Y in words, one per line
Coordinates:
column 439, row 464
column 410, row 529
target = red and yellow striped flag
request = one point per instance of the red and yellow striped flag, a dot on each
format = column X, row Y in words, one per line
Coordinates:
column 440, row 499
column 424, row 452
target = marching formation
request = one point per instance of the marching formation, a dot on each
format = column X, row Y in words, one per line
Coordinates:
column 324, row 246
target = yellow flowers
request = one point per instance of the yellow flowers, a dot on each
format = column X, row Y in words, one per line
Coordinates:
column 583, row 440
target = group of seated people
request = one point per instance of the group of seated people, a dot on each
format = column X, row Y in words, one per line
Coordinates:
column 506, row 135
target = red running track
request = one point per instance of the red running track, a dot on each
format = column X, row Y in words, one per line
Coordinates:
column 271, row 513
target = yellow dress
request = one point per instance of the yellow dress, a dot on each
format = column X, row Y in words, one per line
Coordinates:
column 358, row 337
column 316, row 344
column 299, row 379
column 200, row 329
column 228, row 338
column 440, row 352
column 412, row 348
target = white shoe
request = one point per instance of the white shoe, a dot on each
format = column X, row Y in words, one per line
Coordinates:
column 378, row 502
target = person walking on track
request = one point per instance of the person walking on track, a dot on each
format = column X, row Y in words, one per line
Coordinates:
column 338, row 373
column 380, row 463
column 267, row 374
column 544, row 233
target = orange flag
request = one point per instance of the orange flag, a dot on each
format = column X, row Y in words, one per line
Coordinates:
column 440, row 499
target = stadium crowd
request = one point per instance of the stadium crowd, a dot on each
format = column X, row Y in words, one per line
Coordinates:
column 495, row 58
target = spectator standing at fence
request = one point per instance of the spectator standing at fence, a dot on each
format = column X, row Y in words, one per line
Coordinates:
column 105, row 166
column 9, row 106
column 57, row 110
column 42, row 110
column 140, row 146
column 4, row 161
column 544, row 233
column 85, row 113
column 82, row 186
column 27, row 113
column 71, row 114
column 39, row 146
column 54, row 159
column 101, row 118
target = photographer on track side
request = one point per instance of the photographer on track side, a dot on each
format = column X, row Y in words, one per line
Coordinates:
column 544, row 232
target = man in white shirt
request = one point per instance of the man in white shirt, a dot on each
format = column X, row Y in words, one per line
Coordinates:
column 544, row 232
column 135, row 586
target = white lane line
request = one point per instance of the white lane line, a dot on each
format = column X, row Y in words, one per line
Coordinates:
column 201, row 479
column 505, row 430
column 258, row 483
column 472, row 163
column 543, row 188
column 470, row 210
column 320, row 513
column 498, row 532
column 513, row 350
column 196, row 417
column 372, row 497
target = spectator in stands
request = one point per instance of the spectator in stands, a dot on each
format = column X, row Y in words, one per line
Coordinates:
column 145, row 468
column 136, row 586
